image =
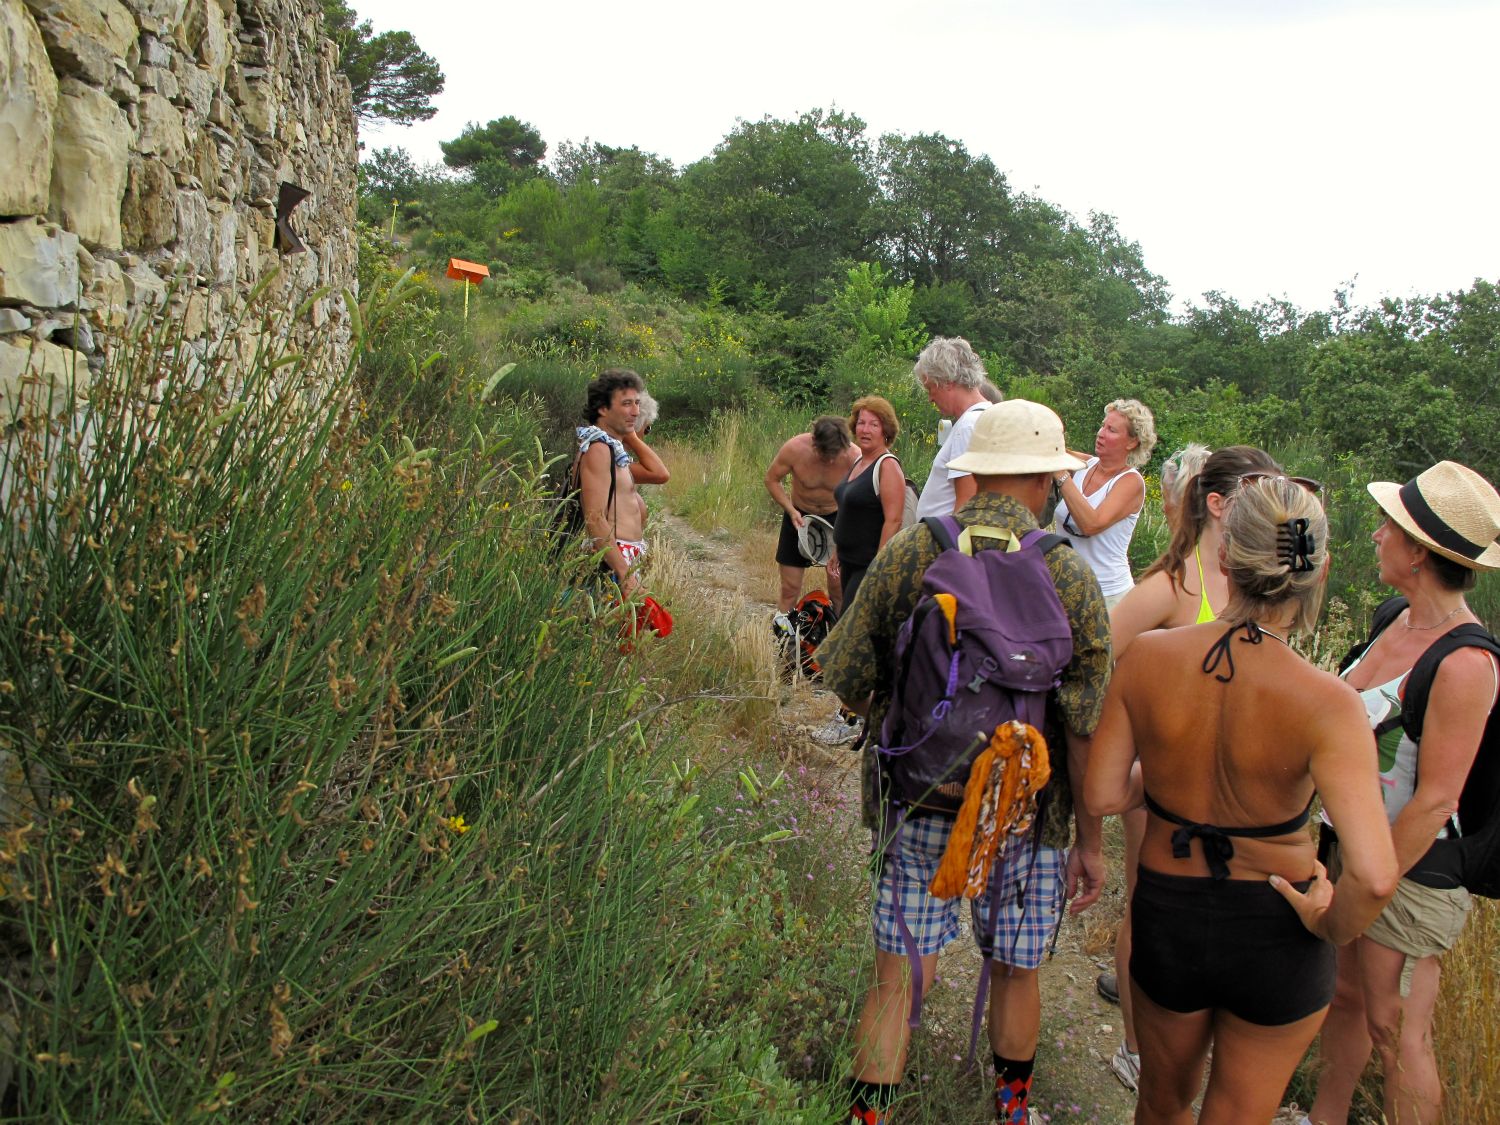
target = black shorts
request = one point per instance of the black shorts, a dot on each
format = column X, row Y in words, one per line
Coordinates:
column 787, row 551
column 1230, row 944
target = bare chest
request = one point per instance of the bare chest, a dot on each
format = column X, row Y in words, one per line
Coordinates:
column 813, row 473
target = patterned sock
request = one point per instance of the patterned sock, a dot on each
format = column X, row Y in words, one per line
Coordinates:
column 1012, row 1089
column 869, row 1101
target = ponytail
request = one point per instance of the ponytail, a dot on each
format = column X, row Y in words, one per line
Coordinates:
column 1221, row 473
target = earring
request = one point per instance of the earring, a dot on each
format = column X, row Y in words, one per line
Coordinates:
column 1415, row 567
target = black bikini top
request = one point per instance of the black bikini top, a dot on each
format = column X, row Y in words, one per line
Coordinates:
column 1218, row 849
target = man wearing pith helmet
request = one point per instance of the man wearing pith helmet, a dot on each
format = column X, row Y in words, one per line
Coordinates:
column 1015, row 449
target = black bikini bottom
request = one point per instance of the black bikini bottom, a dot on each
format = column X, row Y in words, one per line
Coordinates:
column 1230, row 944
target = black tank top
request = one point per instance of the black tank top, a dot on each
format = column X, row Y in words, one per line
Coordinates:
column 856, row 532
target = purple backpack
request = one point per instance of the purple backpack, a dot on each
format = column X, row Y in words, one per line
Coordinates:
column 954, row 682
column 1004, row 651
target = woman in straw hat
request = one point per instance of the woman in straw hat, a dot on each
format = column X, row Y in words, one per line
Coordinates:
column 1439, row 532
column 1233, row 731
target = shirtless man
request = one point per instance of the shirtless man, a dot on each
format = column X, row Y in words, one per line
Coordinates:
column 610, row 450
column 817, row 461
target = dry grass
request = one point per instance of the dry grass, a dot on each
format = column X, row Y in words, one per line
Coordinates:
column 1467, row 1025
column 719, row 648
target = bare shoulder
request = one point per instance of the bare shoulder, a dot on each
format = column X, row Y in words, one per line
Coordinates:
column 597, row 455
column 1319, row 700
column 1167, row 642
column 1148, row 651
column 796, row 446
column 1150, row 604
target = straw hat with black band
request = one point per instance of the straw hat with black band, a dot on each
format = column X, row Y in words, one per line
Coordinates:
column 1449, row 509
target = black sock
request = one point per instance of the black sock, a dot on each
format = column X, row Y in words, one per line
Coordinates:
column 1013, row 1089
column 868, row 1101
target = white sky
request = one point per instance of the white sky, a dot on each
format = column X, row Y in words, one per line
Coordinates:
column 1264, row 148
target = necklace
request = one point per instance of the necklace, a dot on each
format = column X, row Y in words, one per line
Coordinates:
column 1423, row 628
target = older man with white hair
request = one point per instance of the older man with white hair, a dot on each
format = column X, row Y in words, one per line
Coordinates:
column 953, row 375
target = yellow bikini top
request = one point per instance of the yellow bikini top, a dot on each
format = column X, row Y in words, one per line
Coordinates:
column 1205, row 610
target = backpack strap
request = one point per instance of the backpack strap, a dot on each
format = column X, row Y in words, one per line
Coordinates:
column 1045, row 540
column 945, row 530
column 1419, row 686
column 875, row 471
column 1424, row 671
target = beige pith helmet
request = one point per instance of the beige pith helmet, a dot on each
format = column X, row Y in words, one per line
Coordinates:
column 1449, row 509
column 815, row 539
column 1016, row 437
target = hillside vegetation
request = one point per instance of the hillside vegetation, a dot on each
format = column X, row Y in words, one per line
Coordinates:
column 329, row 796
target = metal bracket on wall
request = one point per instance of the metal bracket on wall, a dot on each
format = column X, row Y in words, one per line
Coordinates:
column 286, row 239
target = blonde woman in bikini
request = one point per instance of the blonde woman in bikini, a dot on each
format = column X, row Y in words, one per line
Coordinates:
column 1224, row 732
column 1185, row 586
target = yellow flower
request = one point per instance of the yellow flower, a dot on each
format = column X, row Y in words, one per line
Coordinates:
column 456, row 824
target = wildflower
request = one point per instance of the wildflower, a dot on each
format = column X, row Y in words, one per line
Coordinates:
column 346, row 485
column 456, row 824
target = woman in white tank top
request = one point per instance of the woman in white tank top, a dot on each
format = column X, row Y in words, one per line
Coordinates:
column 1102, row 501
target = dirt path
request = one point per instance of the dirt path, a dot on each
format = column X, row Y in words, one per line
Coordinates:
column 1079, row 1030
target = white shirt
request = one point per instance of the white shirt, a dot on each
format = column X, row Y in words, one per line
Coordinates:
column 937, row 494
column 1108, row 553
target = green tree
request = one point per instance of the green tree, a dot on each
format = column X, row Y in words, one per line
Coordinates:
column 633, row 186
column 780, row 203
column 389, row 174
column 566, row 227
column 1368, row 393
column 497, row 156
column 392, row 78
column 944, row 215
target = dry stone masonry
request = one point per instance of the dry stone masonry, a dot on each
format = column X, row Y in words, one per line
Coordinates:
column 143, row 144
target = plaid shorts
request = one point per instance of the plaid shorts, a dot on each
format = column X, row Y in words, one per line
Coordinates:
column 1031, row 882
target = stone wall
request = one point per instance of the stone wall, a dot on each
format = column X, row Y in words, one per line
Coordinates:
column 143, row 144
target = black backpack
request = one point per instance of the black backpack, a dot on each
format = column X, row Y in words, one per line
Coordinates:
column 1472, row 860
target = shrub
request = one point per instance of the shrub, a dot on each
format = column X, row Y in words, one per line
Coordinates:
column 332, row 798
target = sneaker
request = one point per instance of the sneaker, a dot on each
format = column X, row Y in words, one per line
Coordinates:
column 1108, row 986
column 835, row 732
column 1127, row 1068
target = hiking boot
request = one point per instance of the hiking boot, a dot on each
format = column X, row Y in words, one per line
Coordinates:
column 835, row 732
column 1108, row 986
column 1127, row 1068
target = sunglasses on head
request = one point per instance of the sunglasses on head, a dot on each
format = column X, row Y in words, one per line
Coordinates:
column 1313, row 486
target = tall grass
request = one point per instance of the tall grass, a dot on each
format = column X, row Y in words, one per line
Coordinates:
column 718, row 480
column 328, row 798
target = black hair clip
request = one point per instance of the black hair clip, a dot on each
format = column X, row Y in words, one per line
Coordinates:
column 1296, row 545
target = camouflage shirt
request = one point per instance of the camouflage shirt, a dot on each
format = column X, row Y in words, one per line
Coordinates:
column 859, row 653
